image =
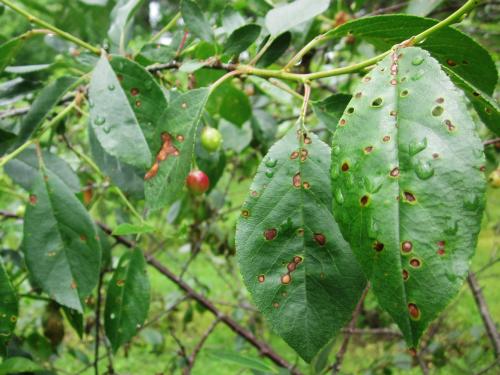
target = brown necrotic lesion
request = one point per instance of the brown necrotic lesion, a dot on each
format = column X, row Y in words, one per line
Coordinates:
column 167, row 149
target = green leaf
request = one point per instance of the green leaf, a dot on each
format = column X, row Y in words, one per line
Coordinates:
column 179, row 124
column 8, row 309
column 42, row 107
column 8, row 50
column 127, row 301
column 485, row 106
column 156, row 53
column 241, row 360
column 195, row 20
column 127, row 228
column 264, row 128
column 121, row 17
column 407, row 171
column 234, row 104
column 422, row 7
column 330, row 110
column 126, row 177
column 75, row 319
column 16, row 365
column 278, row 47
column 294, row 261
column 112, row 116
column 241, row 38
column 24, row 169
column 449, row 46
column 235, row 138
column 283, row 18
column 60, row 235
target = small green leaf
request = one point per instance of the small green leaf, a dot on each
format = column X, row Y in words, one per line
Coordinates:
column 59, row 234
column 127, row 301
column 241, row 38
column 127, row 228
column 241, row 360
column 113, row 119
column 330, row 110
column 235, row 138
column 276, row 50
column 294, row 261
column 407, row 175
column 462, row 54
column 16, row 365
column 8, row 309
column 179, row 125
column 121, row 17
column 283, row 18
column 195, row 20
column 8, row 50
column 25, row 169
column 42, row 107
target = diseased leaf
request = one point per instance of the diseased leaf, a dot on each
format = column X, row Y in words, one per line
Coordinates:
column 195, row 20
column 177, row 128
column 8, row 309
column 283, row 18
column 127, row 301
column 121, row 17
column 277, row 48
column 408, row 186
column 462, row 54
column 300, row 271
column 60, row 235
column 25, row 169
column 485, row 106
column 113, row 119
column 8, row 50
column 330, row 110
column 241, row 38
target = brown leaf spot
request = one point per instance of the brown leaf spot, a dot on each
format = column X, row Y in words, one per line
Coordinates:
column 300, row 232
column 394, row 82
column 345, row 167
column 364, row 200
column 276, row 305
column 291, row 266
column 13, row 318
column 286, row 279
column 435, row 155
column 450, row 125
column 415, row 263
column 406, row 275
column 180, row 138
column 120, row 282
column 450, row 62
column 134, row 91
column 342, row 122
column 393, row 113
column 414, row 311
column 138, row 103
column 294, row 155
column 297, row 259
column 320, row 238
column 33, row 199
column 440, row 100
column 167, row 149
column 406, row 246
column 270, row 234
column 378, row 246
column 306, row 185
column 358, row 95
column 386, row 138
column 395, row 172
column 83, row 237
column 368, row 149
column 245, row 213
column 441, row 252
column 367, row 79
column 303, row 154
column 296, row 180
column 409, row 197
column 261, row 278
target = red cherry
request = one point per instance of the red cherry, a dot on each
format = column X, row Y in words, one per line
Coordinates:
column 197, row 182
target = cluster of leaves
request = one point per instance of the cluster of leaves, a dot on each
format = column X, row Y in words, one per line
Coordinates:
column 396, row 200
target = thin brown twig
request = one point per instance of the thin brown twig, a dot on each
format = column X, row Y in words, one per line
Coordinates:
column 197, row 348
column 339, row 357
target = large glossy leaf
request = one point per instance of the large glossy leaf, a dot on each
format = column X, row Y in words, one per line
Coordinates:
column 195, row 20
column 241, row 38
column 127, row 301
column 283, row 18
column 178, row 128
column 25, row 169
column 449, row 46
column 113, row 119
column 60, row 242
column 42, row 106
column 277, row 48
column 8, row 309
column 300, row 271
column 408, row 186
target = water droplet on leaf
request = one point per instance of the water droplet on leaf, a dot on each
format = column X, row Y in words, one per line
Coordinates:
column 424, row 170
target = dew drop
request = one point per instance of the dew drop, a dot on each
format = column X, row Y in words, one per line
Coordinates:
column 269, row 173
column 91, row 103
column 339, row 197
column 106, row 128
column 271, row 163
column 99, row 120
column 437, row 111
column 377, row 102
column 417, row 146
column 424, row 170
column 418, row 75
column 417, row 60
column 111, row 87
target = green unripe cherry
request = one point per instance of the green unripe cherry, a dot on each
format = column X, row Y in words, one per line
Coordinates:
column 211, row 139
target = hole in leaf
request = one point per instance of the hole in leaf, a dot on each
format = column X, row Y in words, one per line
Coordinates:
column 377, row 102
column 350, row 110
column 404, row 93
